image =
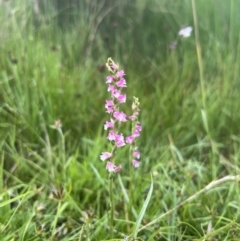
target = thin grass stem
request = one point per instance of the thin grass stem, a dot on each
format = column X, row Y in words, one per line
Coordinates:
column 111, row 204
column 199, row 55
column 62, row 145
column 130, row 182
column 201, row 76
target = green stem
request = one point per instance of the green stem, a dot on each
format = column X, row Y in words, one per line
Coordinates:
column 130, row 179
column 63, row 144
column 201, row 75
column 199, row 55
column 63, row 153
column 1, row 172
column 111, row 204
column 55, row 220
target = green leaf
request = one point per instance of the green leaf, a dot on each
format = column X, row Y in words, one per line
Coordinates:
column 143, row 210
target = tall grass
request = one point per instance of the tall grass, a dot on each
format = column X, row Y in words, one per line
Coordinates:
column 51, row 69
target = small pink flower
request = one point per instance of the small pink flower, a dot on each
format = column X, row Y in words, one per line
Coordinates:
column 118, row 168
column 111, row 88
column 121, row 83
column 114, row 66
column 120, row 74
column 135, row 115
column 112, row 168
column 116, row 93
column 105, row 155
column 122, row 98
column 110, row 79
column 109, row 124
column 109, row 103
column 109, row 106
column 110, row 110
column 132, row 117
column 119, row 139
column 130, row 139
column 111, row 135
column 135, row 163
column 120, row 116
column 136, row 133
column 138, row 126
column 120, row 143
column 136, row 154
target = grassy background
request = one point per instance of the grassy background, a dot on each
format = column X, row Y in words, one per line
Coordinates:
column 51, row 68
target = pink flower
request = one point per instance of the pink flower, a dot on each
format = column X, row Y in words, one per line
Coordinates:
column 136, row 154
column 105, row 155
column 118, row 168
column 109, row 103
column 110, row 79
column 120, row 116
column 112, row 168
column 135, row 163
column 122, row 98
column 121, row 83
column 111, row 88
column 109, row 106
column 136, row 133
column 109, row 124
column 132, row 117
column 120, row 74
column 110, row 110
column 114, row 66
column 120, row 143
column 119, row 139
column 138, row 126
column 116, row 93
column 111, row 135
column 130, row 139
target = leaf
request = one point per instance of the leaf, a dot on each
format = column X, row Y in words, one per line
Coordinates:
column 143, row 210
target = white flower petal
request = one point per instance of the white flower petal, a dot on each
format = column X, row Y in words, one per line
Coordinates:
column 185, row 32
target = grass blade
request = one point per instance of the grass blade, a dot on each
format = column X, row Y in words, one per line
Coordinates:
column 143, row 210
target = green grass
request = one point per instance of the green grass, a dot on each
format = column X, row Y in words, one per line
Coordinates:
column 54, row 186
